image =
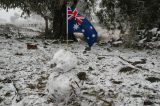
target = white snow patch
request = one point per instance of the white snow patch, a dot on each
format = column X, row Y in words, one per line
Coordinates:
column 61, row 85
column 64, row 60
column 154, row 31
column 102, row 68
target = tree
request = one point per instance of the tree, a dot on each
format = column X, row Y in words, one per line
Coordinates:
column 130, row 14
column 28, row 6
column 41, row 8
column 59, row 19
column 53, row 10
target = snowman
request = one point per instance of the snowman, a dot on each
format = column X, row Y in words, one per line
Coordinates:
column 62, row 83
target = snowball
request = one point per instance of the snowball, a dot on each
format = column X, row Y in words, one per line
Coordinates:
column 61, row 85
column 64, row 60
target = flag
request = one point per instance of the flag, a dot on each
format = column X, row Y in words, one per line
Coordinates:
column 78, row 23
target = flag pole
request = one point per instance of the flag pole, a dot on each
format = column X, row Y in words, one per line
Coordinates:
column 67, row 22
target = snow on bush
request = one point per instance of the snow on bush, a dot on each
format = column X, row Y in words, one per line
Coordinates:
column 106, row 35
column 154, row 31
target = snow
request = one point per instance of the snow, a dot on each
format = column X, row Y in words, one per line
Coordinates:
column 8, row 14
column 154, row 31
column 60, row 85
column 13, row 16
column 105, row 35
column 117, row 76
column 61, row 81
column 64, row 60
column 32, row 100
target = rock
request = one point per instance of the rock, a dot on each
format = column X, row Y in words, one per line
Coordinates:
column 50, row 99
column 126, row 69
column 137, row 96
column 53, row 65
column 148, row 103
column 31, row 86
column 87, row 49
column 31, row 46
column 117, row 82
column 84, row 52
column 1, row 87
column 153, row 79
column 1, row 99
column 6, row 80
column 142, row 61
column 7, row 36
column 142, row 68
column 19, row 54
column 82, row 76
column 41, row 86
column 90, row 69
column 8, row 94
column 100, row 58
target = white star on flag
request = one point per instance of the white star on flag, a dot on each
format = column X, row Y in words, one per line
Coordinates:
column 76, row 26
column 93, row 35
column 83, row 30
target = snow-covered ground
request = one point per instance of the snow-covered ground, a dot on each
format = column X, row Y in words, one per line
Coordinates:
column 102, row 77
column 13, row 16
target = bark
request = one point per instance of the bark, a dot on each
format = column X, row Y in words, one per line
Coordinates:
column 59, row 19
column 46, row 22
column 48, row 33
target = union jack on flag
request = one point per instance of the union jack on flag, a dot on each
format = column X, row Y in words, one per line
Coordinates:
column 78, row 23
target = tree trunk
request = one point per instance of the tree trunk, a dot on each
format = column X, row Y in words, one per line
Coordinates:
column 47, row 32
column 46, row 22
column 60, row 20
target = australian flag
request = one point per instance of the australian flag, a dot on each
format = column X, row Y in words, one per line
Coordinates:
column 78, row 23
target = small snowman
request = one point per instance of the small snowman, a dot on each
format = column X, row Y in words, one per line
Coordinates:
column 62, row 82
